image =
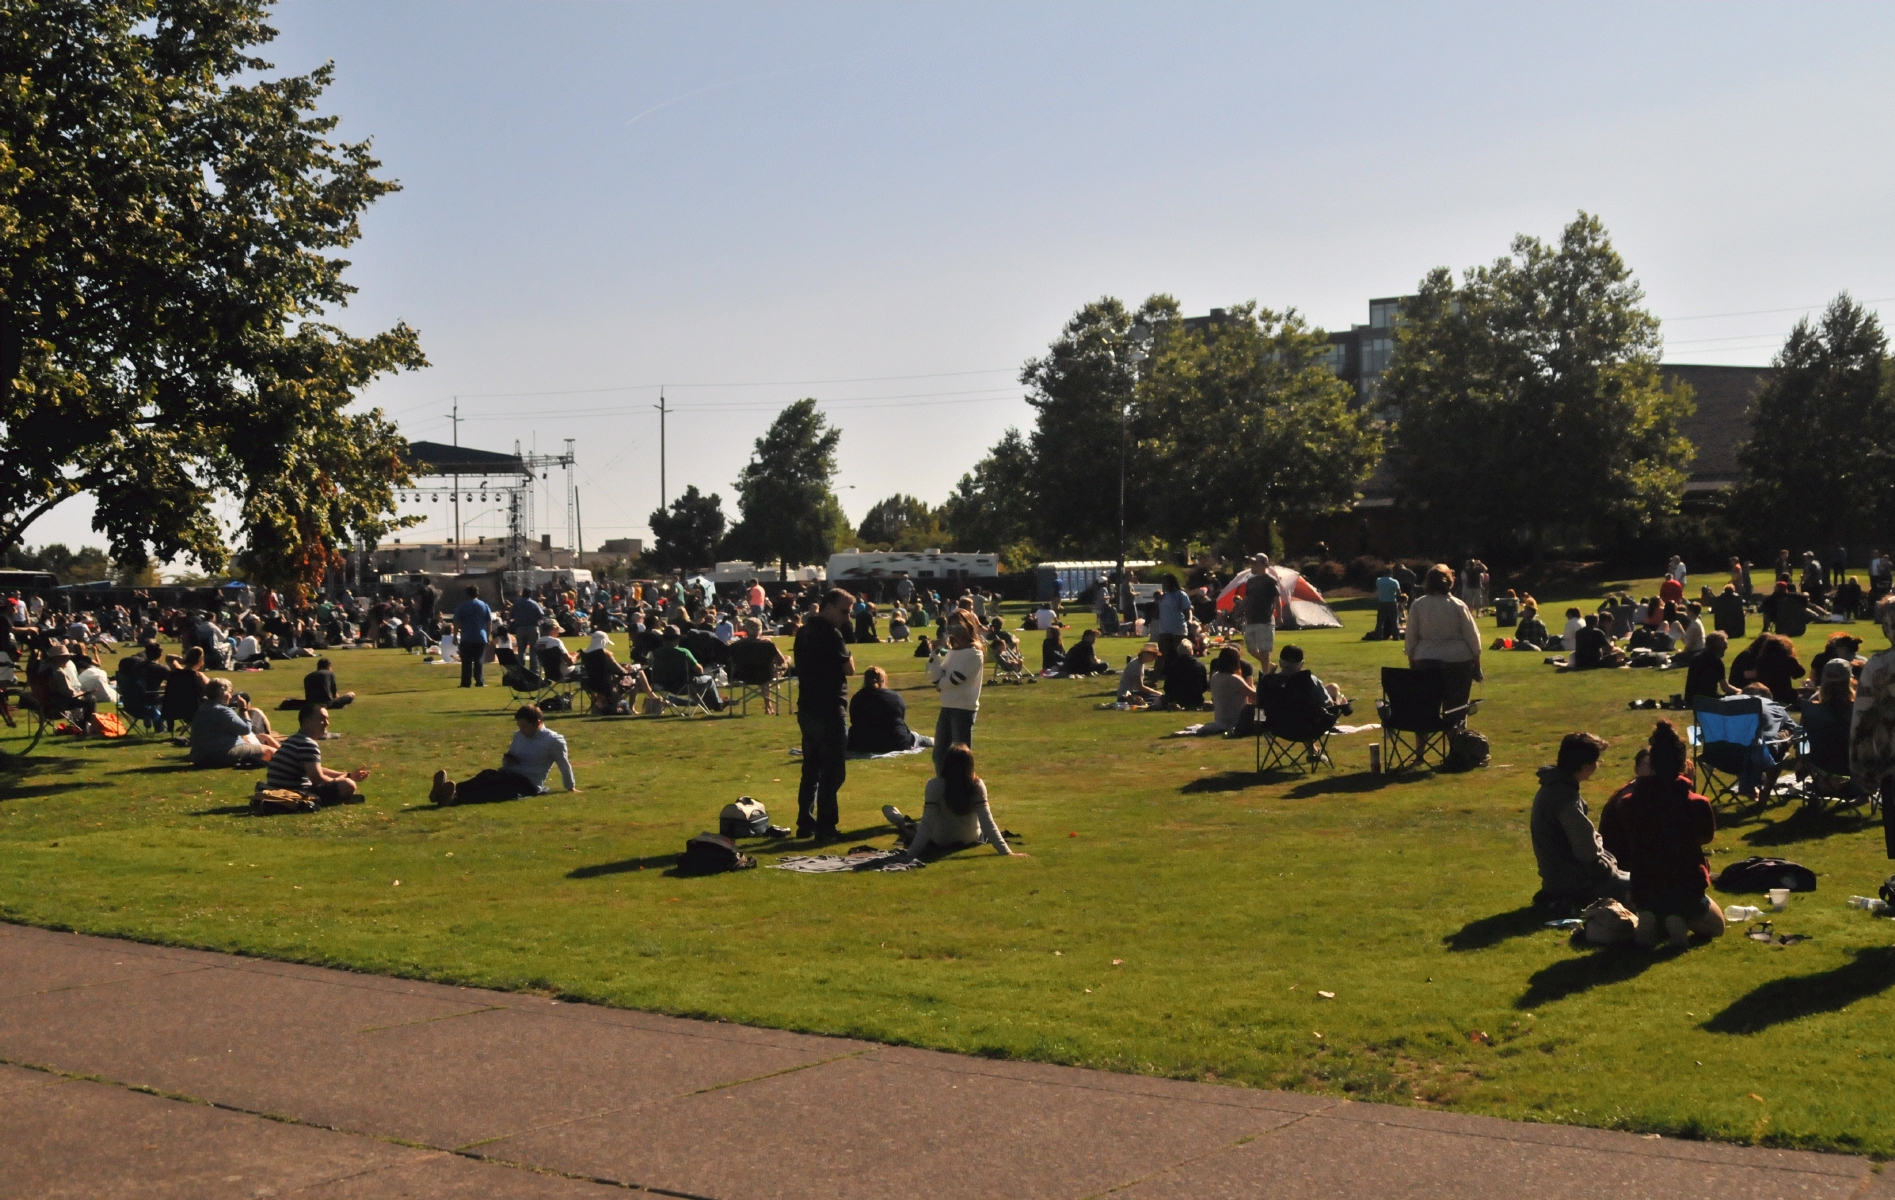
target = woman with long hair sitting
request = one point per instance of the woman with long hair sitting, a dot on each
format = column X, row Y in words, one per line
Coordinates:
column 954, row 811
column 1666, row 827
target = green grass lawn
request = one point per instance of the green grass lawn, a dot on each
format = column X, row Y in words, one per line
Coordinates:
column 1177, row 916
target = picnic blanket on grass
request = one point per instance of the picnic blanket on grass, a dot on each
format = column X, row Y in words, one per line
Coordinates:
column 862, row 858
column 861, row 754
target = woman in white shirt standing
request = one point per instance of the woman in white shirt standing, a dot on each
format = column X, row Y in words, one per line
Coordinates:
column 955, row 668
column 1442, row 636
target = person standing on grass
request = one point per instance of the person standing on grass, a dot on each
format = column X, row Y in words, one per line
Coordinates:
column 823, row 667
column 956, row 670
column 1260, row 610
column 1442, row 636
column 473, row 621
column 297, row 763
column 1388, row 606
column 1174, row 618
column 530, row 757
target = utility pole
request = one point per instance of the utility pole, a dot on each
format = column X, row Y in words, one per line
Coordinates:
column 660, row 406
column 455, row 416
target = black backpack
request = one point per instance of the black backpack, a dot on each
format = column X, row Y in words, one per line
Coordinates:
column 712, row 853
column 1466, row 751
column 744, row 817
column 1762, row 874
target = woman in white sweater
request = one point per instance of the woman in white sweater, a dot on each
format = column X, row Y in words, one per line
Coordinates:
column 954, row 811
column 955, row 668
column 1442, row 636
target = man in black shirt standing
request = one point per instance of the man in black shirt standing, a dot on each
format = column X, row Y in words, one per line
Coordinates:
column 823, row 667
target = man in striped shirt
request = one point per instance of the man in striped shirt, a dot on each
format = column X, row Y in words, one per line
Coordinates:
column 297, row 764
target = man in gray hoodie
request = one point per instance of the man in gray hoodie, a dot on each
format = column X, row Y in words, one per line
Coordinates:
column 1575, row 867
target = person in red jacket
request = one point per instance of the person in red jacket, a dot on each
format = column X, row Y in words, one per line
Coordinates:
column 1663, row 827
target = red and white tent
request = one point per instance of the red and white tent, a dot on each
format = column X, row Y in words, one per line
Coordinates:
column 1300, row 605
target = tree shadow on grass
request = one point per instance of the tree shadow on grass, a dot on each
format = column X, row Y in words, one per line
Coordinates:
column 1491, row 931
column 1570, row 976
column 1808, row 825
column 34, row 791
column 1871, row 973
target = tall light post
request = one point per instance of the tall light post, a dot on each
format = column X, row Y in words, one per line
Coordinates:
column 1137, row 338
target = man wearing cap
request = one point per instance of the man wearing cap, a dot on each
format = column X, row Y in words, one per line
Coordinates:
column 1260, row 610
column 1132, row 686
column 1304, row 687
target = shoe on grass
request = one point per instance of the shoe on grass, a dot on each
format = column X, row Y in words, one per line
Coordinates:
column 442, row 793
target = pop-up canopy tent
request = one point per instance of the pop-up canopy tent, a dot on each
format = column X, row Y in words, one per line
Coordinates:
column 1300, row 605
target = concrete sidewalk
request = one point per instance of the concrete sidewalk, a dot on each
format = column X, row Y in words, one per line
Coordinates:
column 139, row 1070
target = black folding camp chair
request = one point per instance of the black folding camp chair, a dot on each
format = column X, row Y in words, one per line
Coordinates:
column 1292, row 732
column 1415, row 726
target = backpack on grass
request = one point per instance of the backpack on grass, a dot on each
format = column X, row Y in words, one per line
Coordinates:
column 1762, row 874
column 280, row 800
column 1466, row 751
column 744, row 817
column 711, row 854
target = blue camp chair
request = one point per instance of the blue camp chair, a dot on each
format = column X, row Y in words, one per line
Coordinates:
column 1727, row 742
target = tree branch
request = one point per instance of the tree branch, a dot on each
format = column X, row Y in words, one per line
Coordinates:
column 10, row 533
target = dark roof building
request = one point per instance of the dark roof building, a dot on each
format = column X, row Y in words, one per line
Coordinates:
column 1720, row 424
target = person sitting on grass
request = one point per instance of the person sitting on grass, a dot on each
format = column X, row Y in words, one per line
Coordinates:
column 878, row 718
column 221, row 735
column 1082, row 658
column 1133, row 689
column 1593, row 649
column 1575, row 867
column 297, row 764
column 1231, row 694
column 319, row 687
column 1530, row 633
column 1704, row 679
column 954, row 812
column 1052, row 651
column 1666, row 827
column 533, row 753
column 1186, row 680
column 1612, row 833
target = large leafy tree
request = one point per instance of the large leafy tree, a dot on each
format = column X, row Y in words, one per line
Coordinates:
column 689, row 534
column 1527, row 400
column 1819, row 462
column 887, row 520
column 789, row 515
column 991, row 508
column 166, row 215
column 1083, row 392
column 1243, row 425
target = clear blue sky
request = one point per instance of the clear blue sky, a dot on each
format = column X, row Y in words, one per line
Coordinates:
column 616, row 195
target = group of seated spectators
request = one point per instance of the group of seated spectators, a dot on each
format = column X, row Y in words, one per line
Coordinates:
column 1647, row 851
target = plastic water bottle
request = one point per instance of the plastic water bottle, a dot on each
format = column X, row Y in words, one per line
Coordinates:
column 1742, row 912
column 1874, row 904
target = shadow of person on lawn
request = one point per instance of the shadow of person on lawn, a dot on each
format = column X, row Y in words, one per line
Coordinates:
column 1570, row 976
column 759, row 848
column 1807, row 825
column 1871, row 973
column 1491, row 931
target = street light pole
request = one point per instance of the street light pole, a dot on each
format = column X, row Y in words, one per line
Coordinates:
column 1138, row 337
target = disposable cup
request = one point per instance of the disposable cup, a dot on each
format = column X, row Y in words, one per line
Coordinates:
column 1779, row 898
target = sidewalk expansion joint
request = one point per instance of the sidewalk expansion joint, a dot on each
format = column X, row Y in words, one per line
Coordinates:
column 472, row 1012
column 1089, row 1087
column 1245, row 1140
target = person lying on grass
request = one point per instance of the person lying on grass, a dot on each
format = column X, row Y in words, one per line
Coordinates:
column 1664, row 830
column 954, row 812
column 1133, row 689
column 534, row 752
column 1575, row 867
column 297, row 764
